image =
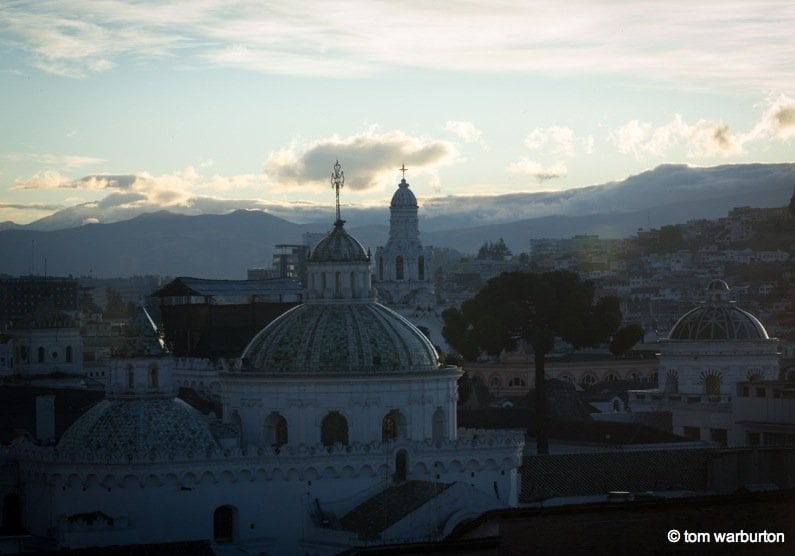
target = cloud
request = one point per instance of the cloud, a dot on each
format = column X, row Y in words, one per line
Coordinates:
column 46, row 179
column 703, row 139
column 538, row 170
column 369, row 159
column 466, row 131
column 121, row 199
column 30, row 206
column 560, row 140
column 672, row 41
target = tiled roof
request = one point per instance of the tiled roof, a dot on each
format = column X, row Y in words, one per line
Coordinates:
column 389, row 506
column 553, row 476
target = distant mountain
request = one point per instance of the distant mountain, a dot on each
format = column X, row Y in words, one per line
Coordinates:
column 224, row 246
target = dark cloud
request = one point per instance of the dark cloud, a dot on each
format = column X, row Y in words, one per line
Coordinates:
column 365, row 158
column 119, row 199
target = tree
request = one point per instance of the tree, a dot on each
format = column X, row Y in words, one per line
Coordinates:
column 625, row 338
column 535, row 308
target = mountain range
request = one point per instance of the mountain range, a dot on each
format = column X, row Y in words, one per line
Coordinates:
column 225, row 245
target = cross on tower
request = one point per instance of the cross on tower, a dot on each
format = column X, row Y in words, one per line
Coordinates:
column 403, row 169
column 337, row 181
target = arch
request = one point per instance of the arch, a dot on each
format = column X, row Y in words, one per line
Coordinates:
column 421, row 268
column 517, row 382
column 712, row 384
column 69, row 354
column 40, row 354
column 438, row 426
column 334, row 429
column 393, row 426
column 588, row 379
column 495, row 382
column 275, row 430
column 399, row 267
column 225, row 523
column 401, row 465
column 611, row 377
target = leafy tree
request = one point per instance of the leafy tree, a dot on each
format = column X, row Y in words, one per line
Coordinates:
column 535, row 308
column 625, row 338
column 494, row 251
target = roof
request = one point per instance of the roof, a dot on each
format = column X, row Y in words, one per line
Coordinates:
column 403, row 197
column 338, row 246
column 389, row 506
column 185, row 285
column 340, row 338
column 139, row 427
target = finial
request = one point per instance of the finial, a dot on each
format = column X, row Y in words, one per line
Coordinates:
column 337, row 181
column 403, row 169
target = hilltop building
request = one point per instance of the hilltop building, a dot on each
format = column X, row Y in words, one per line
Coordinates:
column 339, row 429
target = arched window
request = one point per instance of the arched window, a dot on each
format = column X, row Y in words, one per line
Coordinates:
column 224, row 523
column 334, row 429
column 276, row 430
column 380, row 268
column 393, row 426
column 69, row 354
column 338, row 284
column 495, row 382
column 353, row 284
column 611, row 377
column 588, row 379
column 421, row 268
column 152, row 376
column 399, row 267
column 712, row 385
column 517, row 382
column 40, row 354
column 130, row 378
column 439, row 425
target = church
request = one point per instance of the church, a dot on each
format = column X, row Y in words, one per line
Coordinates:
column 339, row 429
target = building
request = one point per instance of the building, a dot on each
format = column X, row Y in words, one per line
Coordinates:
column 403, row 273
column 339, row 429
column 709, row 351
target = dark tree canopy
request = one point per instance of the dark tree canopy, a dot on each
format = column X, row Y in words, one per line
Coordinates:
column 625, row 338
column 497, row 251
column 536, row 308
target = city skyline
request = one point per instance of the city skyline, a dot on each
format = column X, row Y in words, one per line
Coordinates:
column 210, row 106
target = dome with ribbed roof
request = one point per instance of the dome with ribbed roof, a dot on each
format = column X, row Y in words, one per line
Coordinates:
column 718, row 319
column 403, row 197
column 344, row 338
column 140, row 427
column 338, row 246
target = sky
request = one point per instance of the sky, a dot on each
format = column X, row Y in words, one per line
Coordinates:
column 206, row 106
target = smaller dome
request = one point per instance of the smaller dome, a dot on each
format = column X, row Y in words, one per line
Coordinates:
column 403, row 197
column 718, row 285
column 339, row 246
column 139, row 427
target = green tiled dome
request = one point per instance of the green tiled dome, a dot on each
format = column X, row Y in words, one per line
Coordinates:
column 365, row 338
column 140, row 427
column 338, row 246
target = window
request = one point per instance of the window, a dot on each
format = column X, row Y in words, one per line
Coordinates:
column 152, row 376
column 712, row 385
column 398, row 268
column 672, row 382
column 401, row 465
column 719, row 436
column 69, row 354
column 611, row 377
column 40, row 354
column 588, row 379
column 334, row 429
column 753, row 439
column 693, row 433
column 495, row 382
column 276, row 430
column 439, row 425
column 421, row 268
column 517, row 382
column 760, row 392
column 338, row 284
column 130, row 378
column 380, row 268
column 393, row 426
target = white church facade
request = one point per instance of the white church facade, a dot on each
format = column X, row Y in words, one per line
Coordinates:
column 339, row 430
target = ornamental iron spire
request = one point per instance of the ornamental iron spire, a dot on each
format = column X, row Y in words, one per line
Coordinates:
column 337, row 181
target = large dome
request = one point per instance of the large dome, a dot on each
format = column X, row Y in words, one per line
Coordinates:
column 143, row 427
column 344, row 338
column 718, row 319
column 338, row 246
column 403, row 197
